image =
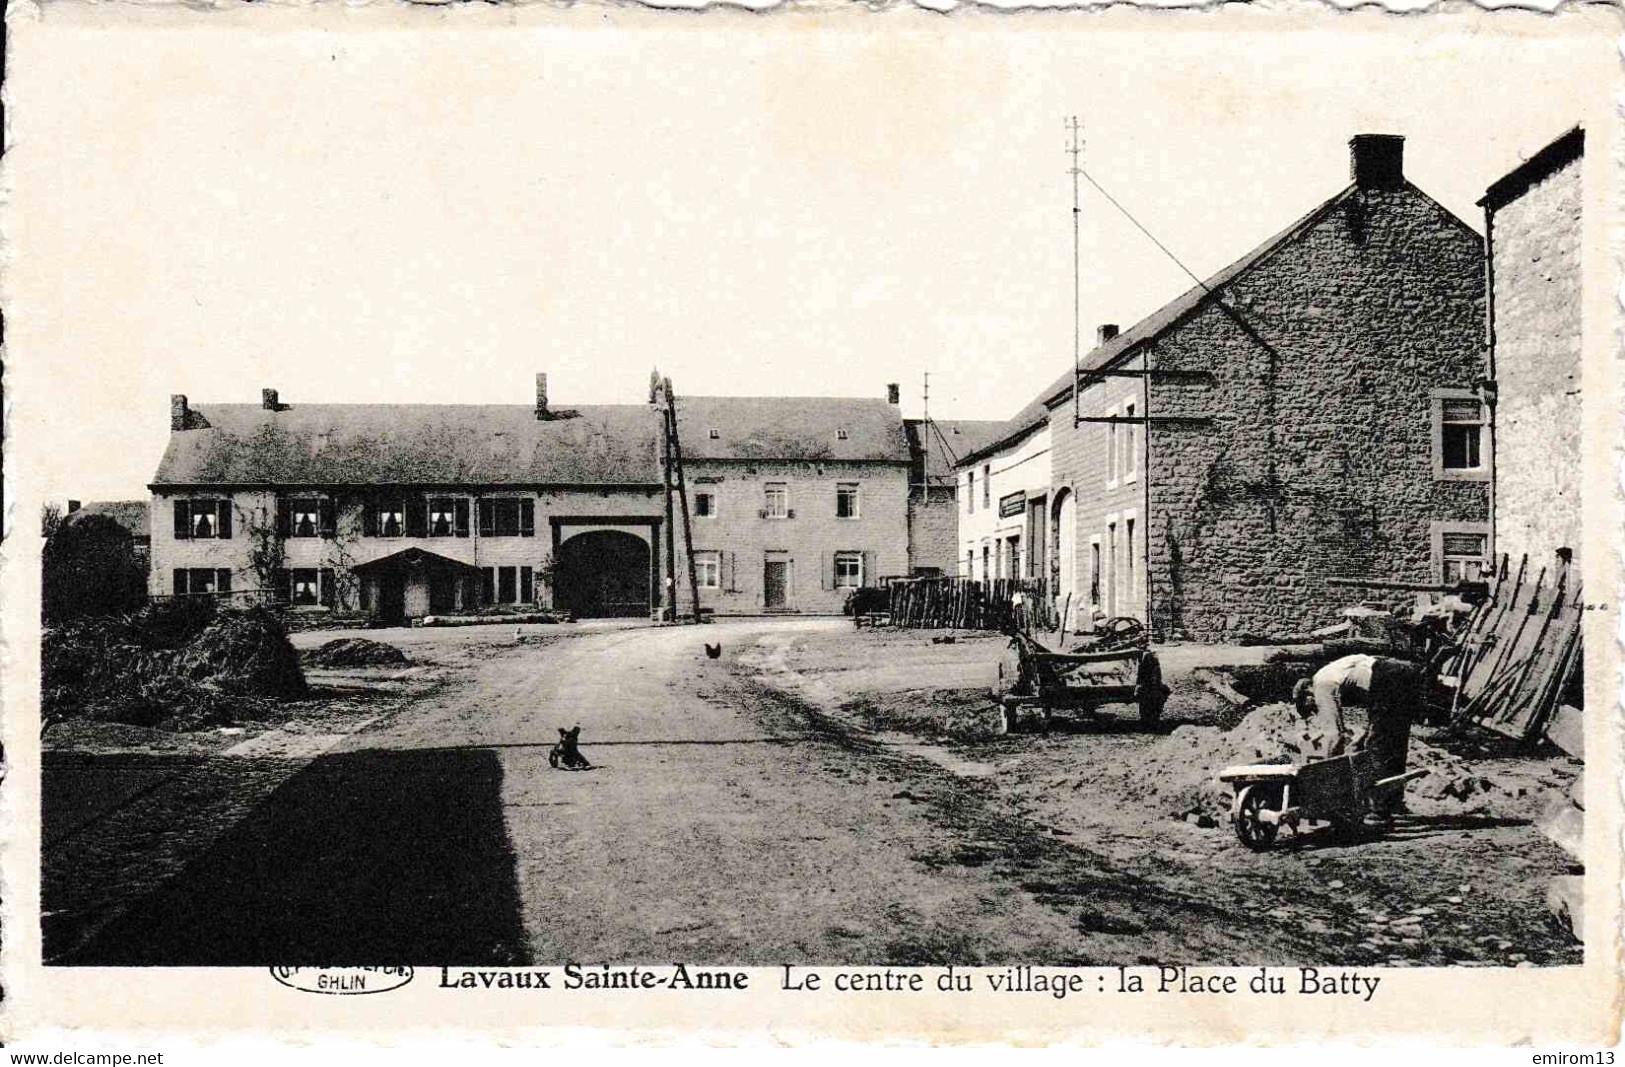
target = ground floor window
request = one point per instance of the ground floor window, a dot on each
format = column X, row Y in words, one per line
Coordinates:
column 507, row 585
column 708, row 569
column 193, row 581
column 307, row 586
column 848, row 570
column 1463, row 557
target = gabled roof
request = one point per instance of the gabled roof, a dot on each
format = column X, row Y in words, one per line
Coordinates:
column 1154, row 325
column 1561, row 152
column 944, row 442
column 506, row 445
column 130, row 514
column 411, row 444
column 791, row 428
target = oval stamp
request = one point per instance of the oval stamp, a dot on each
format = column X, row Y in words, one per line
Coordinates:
column 342, row 981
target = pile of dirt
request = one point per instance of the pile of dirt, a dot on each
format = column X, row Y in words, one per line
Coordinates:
column 1177, row 776
column 355, row 652
column 245, row 653
column 176, row 667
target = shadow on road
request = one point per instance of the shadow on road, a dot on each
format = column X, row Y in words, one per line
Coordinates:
column 373, row 857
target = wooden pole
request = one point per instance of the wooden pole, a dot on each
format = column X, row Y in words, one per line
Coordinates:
column 670, row 576
column 682, row 496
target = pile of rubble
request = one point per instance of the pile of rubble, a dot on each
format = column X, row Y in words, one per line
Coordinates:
column 355, row 652
column 1177, row 776
column 179, row 667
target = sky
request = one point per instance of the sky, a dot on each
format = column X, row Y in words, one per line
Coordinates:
column 435, row 208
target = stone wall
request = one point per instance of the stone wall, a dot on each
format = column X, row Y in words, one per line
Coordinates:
column 933, row 529
column 1535, row 250
column 1320, row 459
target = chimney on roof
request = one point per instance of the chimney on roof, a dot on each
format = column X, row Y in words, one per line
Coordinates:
column 73, row 506
column 179, row 413
column 268, row 400
column 1105, row 332
column 541, row 398
column 1377, row 160
column 893, row 394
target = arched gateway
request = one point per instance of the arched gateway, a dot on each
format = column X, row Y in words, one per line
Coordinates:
column 603, row 574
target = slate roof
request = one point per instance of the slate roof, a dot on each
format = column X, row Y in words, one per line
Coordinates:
column 130, row 514
column 794, row 428
column 1154, row 325
column 1561, row 152
column 505, row 444
column 949, row 440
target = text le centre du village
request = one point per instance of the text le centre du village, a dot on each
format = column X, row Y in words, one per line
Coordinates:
column 1020, row 980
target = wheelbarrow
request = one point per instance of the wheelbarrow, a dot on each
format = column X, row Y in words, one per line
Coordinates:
column 1338, row 791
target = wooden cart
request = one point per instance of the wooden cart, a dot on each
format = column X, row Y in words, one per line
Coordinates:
column 1336, row 791
column 1117, row 669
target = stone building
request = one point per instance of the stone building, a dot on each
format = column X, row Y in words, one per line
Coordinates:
column 1532, row 230
column 1310, row 412
column 409, row 510
column 938, row 445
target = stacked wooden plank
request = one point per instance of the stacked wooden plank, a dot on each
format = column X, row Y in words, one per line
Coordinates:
column 1522, row 650
column 966, row 604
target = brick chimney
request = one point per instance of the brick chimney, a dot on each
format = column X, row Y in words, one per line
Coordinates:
column 893, row 393
column 1377, row 160
column 541, row 398
column 179, row 413
column 74, row 505
column 1105, row 332
column 268, row 400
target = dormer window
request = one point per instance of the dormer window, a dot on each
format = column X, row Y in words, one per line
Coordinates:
column 840, row 434
column 714, row 434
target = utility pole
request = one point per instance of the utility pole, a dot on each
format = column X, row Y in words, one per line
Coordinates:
column 1074, row 148
column 676, row 450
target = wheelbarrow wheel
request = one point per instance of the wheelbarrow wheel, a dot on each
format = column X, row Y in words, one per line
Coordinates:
column 1149, row 692
column 1247, row 817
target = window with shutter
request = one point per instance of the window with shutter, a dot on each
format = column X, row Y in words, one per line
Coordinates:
column 527, row 585
column 222, row 580
column 442, row 517
column 327, row 585
column 183, row 520
column 487, row 518
column 284, row 517
column 304, row 587
column 507, row 590
column 330, row 519
column 460, row 510
column 488, row 585
column 282, row 585
column 369, row 519
column 224, row 508
column 179, row 586
column 527, row 517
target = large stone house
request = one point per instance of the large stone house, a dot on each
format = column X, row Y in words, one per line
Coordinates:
column 1532, row 228
column 410, row 510
column 1312, row 411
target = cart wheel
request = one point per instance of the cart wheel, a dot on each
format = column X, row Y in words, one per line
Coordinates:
column 1252, row 830
column 1149, row 692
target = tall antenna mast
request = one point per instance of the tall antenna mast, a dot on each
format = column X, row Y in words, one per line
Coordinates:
column 1074, row 148
column 925, row 440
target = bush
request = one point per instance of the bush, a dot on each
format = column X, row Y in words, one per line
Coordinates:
column 89, row 569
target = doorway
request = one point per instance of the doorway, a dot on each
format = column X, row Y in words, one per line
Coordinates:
column 392, row 599
column 775, row 583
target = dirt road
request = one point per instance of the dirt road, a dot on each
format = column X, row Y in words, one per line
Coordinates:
column 726, row 820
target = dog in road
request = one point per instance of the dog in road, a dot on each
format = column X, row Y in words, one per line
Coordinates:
column 566, row 754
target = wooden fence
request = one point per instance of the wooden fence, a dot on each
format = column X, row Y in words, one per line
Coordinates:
column 962, row 603
column 1522, row 651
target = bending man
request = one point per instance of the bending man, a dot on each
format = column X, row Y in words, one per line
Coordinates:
column 1393, row 692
